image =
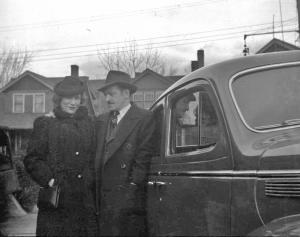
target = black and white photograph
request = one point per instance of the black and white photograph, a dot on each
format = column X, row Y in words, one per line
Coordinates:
column 150, row 118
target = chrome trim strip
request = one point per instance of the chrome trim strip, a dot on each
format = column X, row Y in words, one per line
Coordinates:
column 282, row 195
column 257, row 69
column 278, row 173
column 231, row 173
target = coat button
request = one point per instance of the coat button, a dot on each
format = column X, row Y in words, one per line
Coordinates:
column 79, row 176
column 76, row 153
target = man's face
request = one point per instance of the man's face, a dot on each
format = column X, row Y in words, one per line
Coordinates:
column 116, row 97
column 181, row 107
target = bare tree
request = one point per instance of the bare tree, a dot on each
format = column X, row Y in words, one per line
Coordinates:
column 131, row 59
column 12, row 63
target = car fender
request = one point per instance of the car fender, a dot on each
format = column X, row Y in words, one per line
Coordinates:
column 285, row 226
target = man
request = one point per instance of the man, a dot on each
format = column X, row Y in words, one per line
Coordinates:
column 185, row 122
column 124, row 149
column 182, row 106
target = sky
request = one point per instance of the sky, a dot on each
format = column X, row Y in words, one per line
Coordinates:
column 60, row 33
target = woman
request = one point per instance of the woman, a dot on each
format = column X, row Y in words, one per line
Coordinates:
column 61, row 152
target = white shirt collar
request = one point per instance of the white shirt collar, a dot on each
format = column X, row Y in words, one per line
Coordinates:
column 122, row 112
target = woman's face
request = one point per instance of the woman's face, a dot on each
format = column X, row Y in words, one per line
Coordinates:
column 70, row 104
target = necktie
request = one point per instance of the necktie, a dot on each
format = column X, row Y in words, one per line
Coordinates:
column 114, row 118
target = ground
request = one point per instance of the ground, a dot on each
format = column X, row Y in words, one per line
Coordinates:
column 18, row 221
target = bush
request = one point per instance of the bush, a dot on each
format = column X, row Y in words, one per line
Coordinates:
column 28, row 193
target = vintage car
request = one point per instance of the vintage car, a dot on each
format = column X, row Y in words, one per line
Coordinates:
column 228, row 150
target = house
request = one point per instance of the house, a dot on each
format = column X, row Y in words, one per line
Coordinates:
column 29, row 96
column 275, row 45
column 150, row 86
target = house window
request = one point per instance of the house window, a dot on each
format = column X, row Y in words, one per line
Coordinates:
column 138, row 96
column 145, row 99
column 18, row 103
column 34, row 102
column 39, row 103
column 157, row 94
column 149, row 99
column 149, row 96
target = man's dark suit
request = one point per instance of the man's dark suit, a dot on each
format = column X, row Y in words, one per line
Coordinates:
column 122, row 163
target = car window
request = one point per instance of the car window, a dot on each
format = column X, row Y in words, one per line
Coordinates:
column 194, row 123
column 269, row 98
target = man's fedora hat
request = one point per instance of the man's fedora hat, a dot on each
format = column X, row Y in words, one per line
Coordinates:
column 69, row 86
column 118, row 78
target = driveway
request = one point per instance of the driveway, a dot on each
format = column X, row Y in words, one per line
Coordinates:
column 18, row 222
column 20, row 225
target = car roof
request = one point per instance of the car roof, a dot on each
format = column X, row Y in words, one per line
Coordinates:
column 223, row 71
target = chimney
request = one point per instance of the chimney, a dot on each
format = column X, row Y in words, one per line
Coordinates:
column 200, row 60
column 74, row 71
column 194, row 65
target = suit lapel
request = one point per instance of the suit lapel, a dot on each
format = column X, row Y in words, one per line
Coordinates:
column 127, row 124
column 102, row 126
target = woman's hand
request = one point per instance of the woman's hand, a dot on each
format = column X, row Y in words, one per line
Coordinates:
column 51, row 183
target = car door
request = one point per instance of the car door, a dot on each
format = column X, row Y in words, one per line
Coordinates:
column 153, row 198
column 190, row 181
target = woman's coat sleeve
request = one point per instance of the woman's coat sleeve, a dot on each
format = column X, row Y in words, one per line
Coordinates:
column 35, row 160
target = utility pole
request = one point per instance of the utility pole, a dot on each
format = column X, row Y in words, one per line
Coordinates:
column 246, row 48
column 298, row 11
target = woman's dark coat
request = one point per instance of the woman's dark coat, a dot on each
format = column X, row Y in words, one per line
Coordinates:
column 63, row 148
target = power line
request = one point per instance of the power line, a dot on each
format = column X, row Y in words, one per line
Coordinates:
column 153, row 44
column 163, row 46
column 122, row 51
column 154, row 38
column 105, row 16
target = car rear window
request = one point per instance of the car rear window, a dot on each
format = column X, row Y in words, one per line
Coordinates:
column 269, row 98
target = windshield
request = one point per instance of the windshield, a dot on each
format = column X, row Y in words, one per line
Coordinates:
column 269, row 98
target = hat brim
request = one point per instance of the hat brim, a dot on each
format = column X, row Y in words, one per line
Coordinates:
column 132, row 88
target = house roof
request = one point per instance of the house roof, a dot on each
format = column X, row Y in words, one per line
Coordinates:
column 93, row 86
column 35, row 76
column 49, row 82
column 164, row 79
column 52, row 81
column 277, row 45
column 175, row 78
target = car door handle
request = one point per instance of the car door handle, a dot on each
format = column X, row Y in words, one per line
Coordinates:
column 151, row 183
column 158, row 183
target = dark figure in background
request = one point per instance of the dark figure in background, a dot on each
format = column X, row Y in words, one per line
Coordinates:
column 3, row 203
column 124, row 150
column 61, row 151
